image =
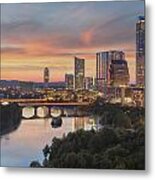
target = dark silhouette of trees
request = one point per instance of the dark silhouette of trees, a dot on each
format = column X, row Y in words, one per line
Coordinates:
column 120, row 144
column 35, row 164
column 10, row 118
column 109, row 148
column 116, row 115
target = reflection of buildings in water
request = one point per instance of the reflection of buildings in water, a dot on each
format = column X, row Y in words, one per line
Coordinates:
column 85, row 123
column 78, row 123
column 46, row 123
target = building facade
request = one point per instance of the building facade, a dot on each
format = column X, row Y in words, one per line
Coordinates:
column 140, row 52
column 119, row 73
column 102, row 71
column 69, row 81
column 79, row 73
column 88, row 83
column 103, row 62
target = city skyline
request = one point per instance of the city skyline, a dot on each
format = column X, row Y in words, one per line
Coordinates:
column 35, row 37
column 73, row 75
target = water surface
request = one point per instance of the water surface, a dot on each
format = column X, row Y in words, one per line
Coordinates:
column 25, row 144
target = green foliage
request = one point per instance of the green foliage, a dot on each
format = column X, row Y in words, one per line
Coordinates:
column 120, row 144
column 108, row 148
column 117, row 116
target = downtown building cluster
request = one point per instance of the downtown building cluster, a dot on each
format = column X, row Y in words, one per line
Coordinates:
column 112, row 71
column 78, row 81
column 111, row 67
column 112, row 79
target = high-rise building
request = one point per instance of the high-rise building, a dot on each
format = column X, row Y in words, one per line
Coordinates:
column 46, row 75
column 88, row 83
column 103, row 61
column 69, row 81
column 140, row 52
column 102, row 70
column 119, row 73
column 79, row 71
column 116, row 55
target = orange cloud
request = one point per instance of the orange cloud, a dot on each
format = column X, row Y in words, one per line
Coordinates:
column 50, row 50
column 86, row 37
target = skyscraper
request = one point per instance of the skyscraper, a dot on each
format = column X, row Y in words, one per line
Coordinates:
column 79, row 71
column 103, row 61
column 46, row 75
column 140, row 51
column 69, row 81
column 119, row 73
column 116, row 55
column 102, row 70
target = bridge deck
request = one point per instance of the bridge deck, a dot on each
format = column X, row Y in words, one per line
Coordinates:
column 53, row 104
column 42, row 102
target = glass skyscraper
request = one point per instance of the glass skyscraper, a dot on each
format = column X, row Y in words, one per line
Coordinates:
column 119, row 73
column 140, row 51
column 103, row 62
column 102, row 71
column 79, row 70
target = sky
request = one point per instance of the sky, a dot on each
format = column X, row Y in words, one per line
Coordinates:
column 39, row 35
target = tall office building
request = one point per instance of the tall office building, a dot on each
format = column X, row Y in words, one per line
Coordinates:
column 88, row 83
column 79, row 71
column 102, row 71
column 140, row 51
column 103, row 61
column 116, row 55
column 69, row 81
column 119, row 73
column 46, row 75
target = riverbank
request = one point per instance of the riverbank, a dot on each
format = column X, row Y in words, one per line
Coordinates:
column 10, row 118
column 120, row 144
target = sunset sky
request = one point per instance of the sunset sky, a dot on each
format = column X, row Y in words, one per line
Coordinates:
column 34, row 36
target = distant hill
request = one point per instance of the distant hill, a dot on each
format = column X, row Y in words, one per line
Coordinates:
column 30, row 84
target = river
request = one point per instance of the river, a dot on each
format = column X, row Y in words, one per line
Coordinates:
column 25, row 144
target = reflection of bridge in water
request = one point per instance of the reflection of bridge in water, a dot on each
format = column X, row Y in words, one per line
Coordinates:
column 50, row 110
column 44, row 110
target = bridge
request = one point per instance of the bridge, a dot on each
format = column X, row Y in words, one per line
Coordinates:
column 42, row 102
column 51, row 104
column 64, row 109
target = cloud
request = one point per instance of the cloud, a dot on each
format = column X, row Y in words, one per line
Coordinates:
column 12, row 50
column 70, row 25
column 59, row 31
